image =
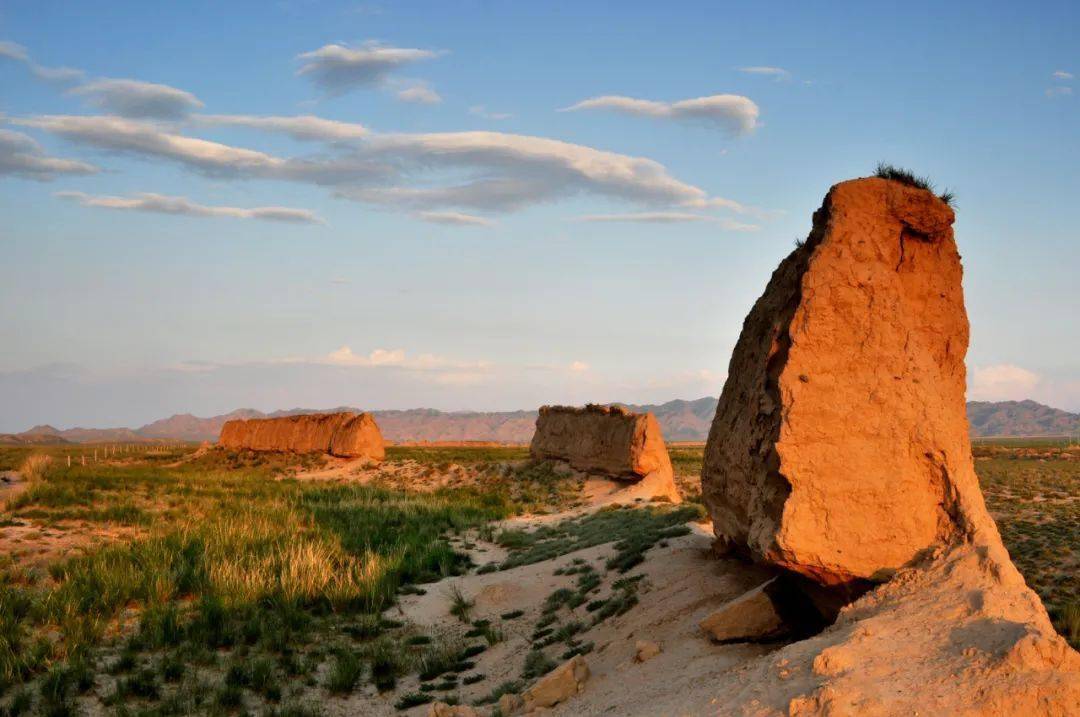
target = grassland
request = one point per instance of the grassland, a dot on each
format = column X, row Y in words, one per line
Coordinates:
column 219, row 584
column 223, row 558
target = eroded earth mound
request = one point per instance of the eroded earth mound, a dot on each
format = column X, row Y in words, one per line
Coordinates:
column 346, row 435
column 840, row 454
column 608, row 441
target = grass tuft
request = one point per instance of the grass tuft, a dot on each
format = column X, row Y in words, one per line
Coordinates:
column 909, row 178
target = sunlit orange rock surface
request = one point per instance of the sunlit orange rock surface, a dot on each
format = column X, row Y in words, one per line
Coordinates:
column 608, row 441
column 840, row 448
column 600, row 439
column 347, row 435
column 839, row 451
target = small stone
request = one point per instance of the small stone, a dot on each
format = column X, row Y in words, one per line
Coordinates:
column 751, row 616
column 557, row 686
column 441, row 709
column 646, row 650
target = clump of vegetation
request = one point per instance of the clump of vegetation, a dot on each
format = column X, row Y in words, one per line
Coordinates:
column 537, row 664
column 413, row 699
column 345, row 672
column 445, row 655
column 635, row 530
column 909, row 178
column 35, row 467
column 460, row 606
column 510, row 687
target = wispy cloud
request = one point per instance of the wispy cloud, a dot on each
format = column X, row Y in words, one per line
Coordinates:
column 734, row 113
column 337, row 69
column 161, row 204
column 117, row 134
column 419, row 93
column 132, row 98
column 396, row 358
column 1062, row 75
column 503, row 172
column 454, row 219
column 303, row 127
column 14, row 51
column 777, row 73
column 21, row 156
column 671, row 218
column 1059, row 92
column 482, row 111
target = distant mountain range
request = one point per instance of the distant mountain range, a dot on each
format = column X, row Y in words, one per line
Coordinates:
column 680, row 420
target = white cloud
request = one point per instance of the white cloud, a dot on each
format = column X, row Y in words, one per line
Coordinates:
column 420, row 94
column 1059, row 92
column 397, row 358
column 777, row 73
column 670, row 218
column 338, row 69
column 13, row 51
column 534, row 168
column 454, row 219
column 118, row 134
column 132, row 98
column 502, row 172
column 303, row 127
column 1062, row 75
column 1002, row 382
column 734, row 113
column 18, row 53
column 21, row 156
column 162, row 204
column 482, row 111
column 57, row 74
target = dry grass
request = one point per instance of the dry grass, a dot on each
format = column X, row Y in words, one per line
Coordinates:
column 35, row 467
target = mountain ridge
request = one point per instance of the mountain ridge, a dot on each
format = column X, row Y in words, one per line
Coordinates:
column 680, row 419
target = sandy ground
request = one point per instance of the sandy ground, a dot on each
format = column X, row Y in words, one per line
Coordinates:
column 683, row 583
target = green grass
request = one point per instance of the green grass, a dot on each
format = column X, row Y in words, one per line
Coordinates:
column 460, row 606
column 909, row 178
column 1033, row 492
column 634, row 530
column 345, row 672
column 686, row 460
column 236, row 558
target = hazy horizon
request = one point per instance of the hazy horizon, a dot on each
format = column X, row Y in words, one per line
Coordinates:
column 480, row 207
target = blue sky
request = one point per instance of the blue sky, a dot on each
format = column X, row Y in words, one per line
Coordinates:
column 514, row 203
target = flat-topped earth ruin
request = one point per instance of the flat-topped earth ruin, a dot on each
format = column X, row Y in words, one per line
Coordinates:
column 345, row 435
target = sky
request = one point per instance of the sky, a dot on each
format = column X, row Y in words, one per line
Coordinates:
column 495, row 205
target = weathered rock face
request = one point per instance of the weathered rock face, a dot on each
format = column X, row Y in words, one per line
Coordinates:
column 607, row 440
column 559, row 685
column 358, row 436
column 751, row 616
column 839, row 451
column 839, row 448
column 347, row 435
